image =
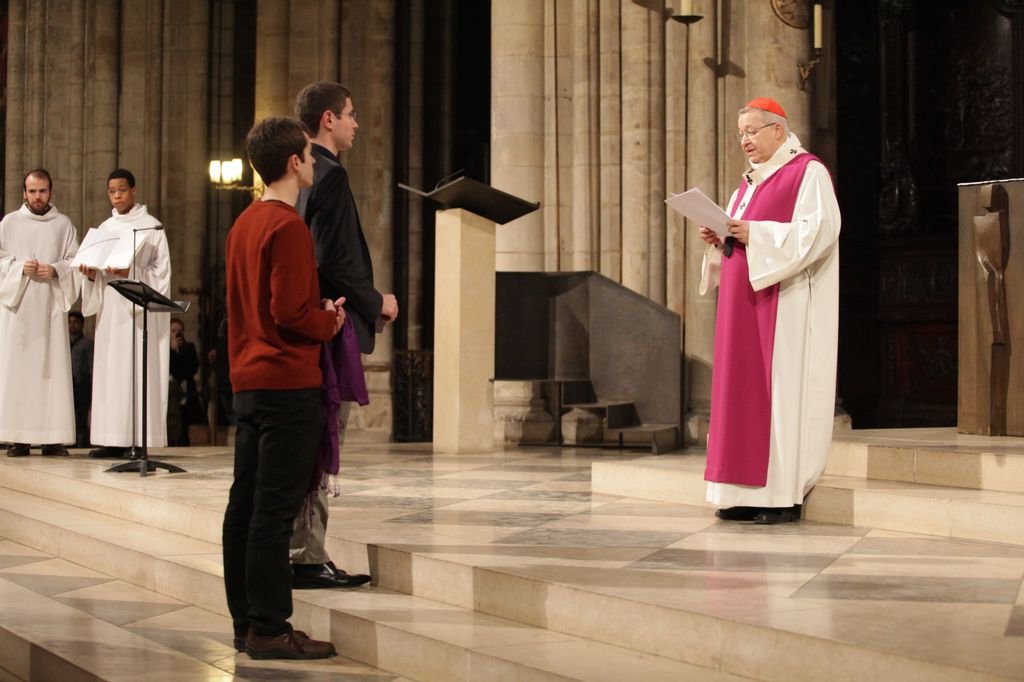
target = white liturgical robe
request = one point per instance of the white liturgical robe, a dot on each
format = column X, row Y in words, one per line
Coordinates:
column 118, row 327
column 36, row 403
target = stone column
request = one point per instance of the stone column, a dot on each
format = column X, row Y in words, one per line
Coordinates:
column 302, row 41
column 702, row 170
column 367, row 66
column 519, row 61
column 767, row 52
column 610, row 141
column 643, row 151
column 182, row 128
column 273, row 95
column 74, row 136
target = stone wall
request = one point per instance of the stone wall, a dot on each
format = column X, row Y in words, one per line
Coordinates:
column 602, row 109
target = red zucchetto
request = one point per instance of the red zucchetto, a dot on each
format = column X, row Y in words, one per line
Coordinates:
column 767, row 104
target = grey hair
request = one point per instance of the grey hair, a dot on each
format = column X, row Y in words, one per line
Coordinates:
column 768, row 117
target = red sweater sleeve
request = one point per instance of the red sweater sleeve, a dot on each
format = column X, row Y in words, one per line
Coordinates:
column 294, row 304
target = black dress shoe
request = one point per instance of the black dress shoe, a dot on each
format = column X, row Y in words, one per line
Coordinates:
column 769, row 517
column 313, row 576
column 108, row 452
column 55, row 451
column 240, row 642
column 18, row 450
column 738, row 513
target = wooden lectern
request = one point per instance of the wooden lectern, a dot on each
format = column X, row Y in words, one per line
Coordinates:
column 464, row 309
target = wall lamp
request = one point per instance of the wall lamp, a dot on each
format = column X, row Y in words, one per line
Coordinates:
column 806, row 69
column 227, row 175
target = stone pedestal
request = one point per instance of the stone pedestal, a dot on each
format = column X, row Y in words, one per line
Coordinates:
column 464, row 333
column 519, row 414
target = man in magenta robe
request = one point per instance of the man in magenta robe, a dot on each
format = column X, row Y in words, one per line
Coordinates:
column 777, row 326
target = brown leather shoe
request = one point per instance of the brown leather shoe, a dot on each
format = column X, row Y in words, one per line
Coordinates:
column 55, row 451
column 18, row 450
column 291, row 644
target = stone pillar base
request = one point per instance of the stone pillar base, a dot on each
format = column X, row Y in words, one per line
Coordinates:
column 695, row 431
column 842, row 419
column 519, row 414
column 372, row 423
column 580, row 427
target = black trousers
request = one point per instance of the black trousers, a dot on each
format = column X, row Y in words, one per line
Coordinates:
column 275, row 453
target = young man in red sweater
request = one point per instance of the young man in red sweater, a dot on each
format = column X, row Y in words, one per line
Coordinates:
column 277, row 323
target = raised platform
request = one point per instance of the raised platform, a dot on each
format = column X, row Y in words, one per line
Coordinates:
column 509, row 566
column 927, row 481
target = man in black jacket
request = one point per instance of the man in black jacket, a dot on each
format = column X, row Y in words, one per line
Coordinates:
column 344, row 269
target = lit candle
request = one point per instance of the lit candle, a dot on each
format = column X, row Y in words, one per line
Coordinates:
column 817, row 26
column 686, row 8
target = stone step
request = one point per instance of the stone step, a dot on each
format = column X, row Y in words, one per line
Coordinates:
column 963, row 513
column 940, row 457
column 663, row 437
column 62, row 621
column 564, row 591
column 409, row 635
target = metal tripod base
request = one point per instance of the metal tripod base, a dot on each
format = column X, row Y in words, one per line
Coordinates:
column 135, row 465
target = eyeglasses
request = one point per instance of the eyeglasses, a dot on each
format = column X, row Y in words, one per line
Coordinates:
column 351, row 114
column 742, row 134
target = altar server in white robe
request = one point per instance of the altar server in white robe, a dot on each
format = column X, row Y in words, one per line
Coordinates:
column 37, row 288
column 112, row 394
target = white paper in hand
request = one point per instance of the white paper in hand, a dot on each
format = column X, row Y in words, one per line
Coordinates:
column 101, row 250
column 94, row 249
column 696, row 206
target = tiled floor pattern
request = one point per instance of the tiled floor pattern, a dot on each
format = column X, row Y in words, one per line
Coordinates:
column 106, row 627
column 530, row 513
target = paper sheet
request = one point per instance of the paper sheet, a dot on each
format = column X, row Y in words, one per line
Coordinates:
column 696, row 206
column 99, row 250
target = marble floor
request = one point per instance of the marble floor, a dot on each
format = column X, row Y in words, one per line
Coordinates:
column 568, row 559
column 81, row 620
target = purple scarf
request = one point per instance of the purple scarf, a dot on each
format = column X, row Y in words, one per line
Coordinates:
column 342, row 368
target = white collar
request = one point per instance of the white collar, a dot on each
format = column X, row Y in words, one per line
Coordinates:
column 759, row 172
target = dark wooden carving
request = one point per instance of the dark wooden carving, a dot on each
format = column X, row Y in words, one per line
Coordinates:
column 929, row 95
column 992, row 247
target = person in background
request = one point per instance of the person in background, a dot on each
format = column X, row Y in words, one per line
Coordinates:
column 183, row 397
column 116, row 406
column 38, row 286
column 81, row 375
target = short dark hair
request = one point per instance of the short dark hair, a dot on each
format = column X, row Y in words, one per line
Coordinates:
column 77, row 315
column 270, row 144
column 121, row 174
column 39, row 173
column 316, row 98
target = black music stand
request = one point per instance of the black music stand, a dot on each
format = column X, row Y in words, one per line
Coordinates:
column 150, row 300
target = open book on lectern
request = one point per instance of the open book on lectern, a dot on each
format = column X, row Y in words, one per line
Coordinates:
column 477, row 197
column 101, row 250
